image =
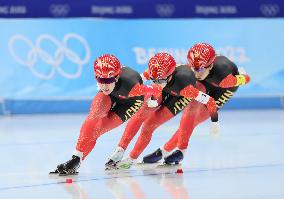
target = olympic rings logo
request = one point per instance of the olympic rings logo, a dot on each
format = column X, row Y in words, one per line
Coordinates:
column 165, row 10
column 269, row 10
column 59, row 10
column 37, row 52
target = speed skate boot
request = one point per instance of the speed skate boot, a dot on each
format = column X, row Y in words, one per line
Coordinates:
column 115, row 157
column 68, row 168
column 126, row 163
column 153, row 157
column 174, row 158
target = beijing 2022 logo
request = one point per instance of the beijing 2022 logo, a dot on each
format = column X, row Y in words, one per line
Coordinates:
column 38, row 52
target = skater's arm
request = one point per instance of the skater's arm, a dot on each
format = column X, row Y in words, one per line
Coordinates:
column 234, row 80
column 140, row 89
column 209, row 102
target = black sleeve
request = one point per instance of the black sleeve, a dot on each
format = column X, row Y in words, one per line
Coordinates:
column 181, row 78
column 222, row 68
column 127, row 80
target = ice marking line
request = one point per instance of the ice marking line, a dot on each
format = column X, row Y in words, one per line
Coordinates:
column 186, row 171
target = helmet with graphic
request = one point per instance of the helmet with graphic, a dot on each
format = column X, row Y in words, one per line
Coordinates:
column 201, row 56
column 161, row 66
column 106, row 68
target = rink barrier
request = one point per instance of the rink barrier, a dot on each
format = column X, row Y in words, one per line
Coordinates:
column 12, row 106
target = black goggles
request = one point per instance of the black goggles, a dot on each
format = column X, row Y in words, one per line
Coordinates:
column 105, row 80
column 159, row 81
column 200, row 69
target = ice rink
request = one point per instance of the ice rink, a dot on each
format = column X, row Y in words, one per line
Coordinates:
column 245, row 162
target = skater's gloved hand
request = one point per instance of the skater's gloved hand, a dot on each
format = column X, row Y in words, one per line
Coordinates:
column 215, row 129
column 152, row 103
column 243, row 72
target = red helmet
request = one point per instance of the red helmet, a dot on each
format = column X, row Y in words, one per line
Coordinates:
column 161, row 65
column 107, row 66
column 201, row 55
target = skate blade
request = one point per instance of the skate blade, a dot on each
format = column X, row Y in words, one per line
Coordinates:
column 167, row 165
column 69, row 174
column 54, row 172
column 111, row 168
column 146, row 163
column 145, row 166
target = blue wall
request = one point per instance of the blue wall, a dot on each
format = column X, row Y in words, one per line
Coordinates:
column 50, row 60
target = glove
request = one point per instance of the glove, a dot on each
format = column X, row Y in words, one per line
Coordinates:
column 152, row 103
column 243, row 72
column 215, row 129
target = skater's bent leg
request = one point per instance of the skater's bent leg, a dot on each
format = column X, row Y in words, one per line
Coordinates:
column 172, row 143
column 100, row 108
column 134, row 125
column 187, row 123
column 193, row 116
column 157, row 118
column 88, row 138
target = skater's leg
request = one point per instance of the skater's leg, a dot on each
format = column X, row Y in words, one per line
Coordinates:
column 172, row 143
column 87, row 139
column 157, row 118
column 97, row 111
column 185, row 120
column 192, row 116
column 134, row 125
column 99, row 117
column 175, row 105
column 195, row 114
column 131, row 130
column 100, row 108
